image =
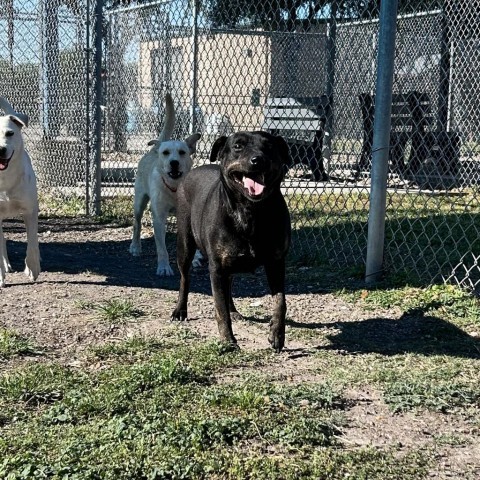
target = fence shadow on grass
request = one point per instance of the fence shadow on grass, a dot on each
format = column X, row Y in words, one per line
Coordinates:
column 418, row 251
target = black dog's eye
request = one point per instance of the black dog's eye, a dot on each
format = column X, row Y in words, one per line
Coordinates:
column 237, row 146
column 9, row 133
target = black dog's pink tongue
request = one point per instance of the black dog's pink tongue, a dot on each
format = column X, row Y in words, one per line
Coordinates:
column 253, row 185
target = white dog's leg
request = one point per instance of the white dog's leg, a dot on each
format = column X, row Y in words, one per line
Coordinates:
column 140, row 203
column 4, row 253
column 32, row 261
column 159, row 230
column 4, row 263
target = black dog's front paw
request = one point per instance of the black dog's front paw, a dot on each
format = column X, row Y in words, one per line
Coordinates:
column 180, row 315
column 277, row 339
column 277, row 342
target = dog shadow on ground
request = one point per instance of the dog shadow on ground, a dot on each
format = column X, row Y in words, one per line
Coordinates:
column 97, row 253
column 413, row 332
column 110, row 263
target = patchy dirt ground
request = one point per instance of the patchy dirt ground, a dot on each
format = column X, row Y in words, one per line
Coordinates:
column 89, row 263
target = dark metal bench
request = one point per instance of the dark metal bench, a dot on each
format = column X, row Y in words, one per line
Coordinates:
column 301, row 122
column 433, row 156
column 411, row 116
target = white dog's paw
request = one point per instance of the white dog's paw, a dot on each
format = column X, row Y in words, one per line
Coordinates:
column 32, row 264
column 164, row 270
column 197, row 259
column 32, row 271
column 7, row 266
column 135, row 249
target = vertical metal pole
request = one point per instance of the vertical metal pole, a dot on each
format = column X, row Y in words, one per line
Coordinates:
column 445, row 69
column 97, row 112
column 381, row 140
column 330, row 79
column 93, row 133
column 194, row 72
column 87, row 110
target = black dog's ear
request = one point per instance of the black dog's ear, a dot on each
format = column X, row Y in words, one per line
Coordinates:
column 217, row 146
column 282, row 147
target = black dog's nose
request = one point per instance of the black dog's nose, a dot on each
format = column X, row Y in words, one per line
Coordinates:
column 256, row 161
column 174, row 164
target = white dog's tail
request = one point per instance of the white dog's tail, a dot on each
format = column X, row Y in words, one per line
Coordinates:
column 8, row 109
column 169, row 124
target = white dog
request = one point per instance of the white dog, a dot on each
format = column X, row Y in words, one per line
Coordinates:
column 158, row 175
column 18, row 189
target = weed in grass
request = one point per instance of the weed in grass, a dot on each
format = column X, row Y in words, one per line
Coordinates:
column 133, row 347
column 117, row 310
column 118, row 209
column 37, row 384
column 452, row 439
column 12, row 344
column 84, row 304
column 443, row 397
column 60, row 204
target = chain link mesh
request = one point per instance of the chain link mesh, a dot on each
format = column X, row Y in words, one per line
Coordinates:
column 47, row 72
column 305, row 70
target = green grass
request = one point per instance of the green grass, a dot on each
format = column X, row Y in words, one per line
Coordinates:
column 113, row 310
column 12, row 344
column 448, row 301
column 424, row 360
column 164, row 417
column 59, row 204
column 159, row 411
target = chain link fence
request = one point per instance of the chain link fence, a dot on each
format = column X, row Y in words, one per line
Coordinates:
column 48, row 71
column 305, row 70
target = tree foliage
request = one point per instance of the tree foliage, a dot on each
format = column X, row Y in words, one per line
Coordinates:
column 292, row 14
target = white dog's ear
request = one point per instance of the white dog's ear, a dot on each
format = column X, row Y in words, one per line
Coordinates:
column 191, row 141
column 20, row 119
column 152, row 142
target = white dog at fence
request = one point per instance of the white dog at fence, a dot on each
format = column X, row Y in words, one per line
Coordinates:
column 158, row 175
column 18, row 189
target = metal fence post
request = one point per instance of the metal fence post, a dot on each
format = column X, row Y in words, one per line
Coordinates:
column 93, row 132
column 193, row 75
column 381, row 140
column 97, row 112
column 330, row 74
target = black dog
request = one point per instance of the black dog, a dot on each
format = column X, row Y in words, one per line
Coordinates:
column 236, row 215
